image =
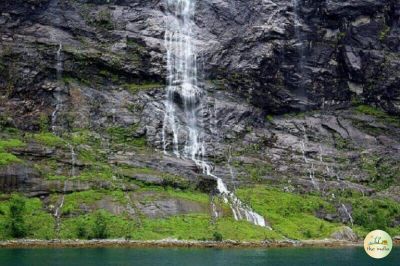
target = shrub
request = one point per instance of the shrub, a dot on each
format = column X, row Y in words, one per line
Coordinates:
column 217, row 236
column 17, row 225
column 81, row 231
column 100, row 226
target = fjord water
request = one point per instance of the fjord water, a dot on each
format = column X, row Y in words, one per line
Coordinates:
column 184, row 95
column 194, row 257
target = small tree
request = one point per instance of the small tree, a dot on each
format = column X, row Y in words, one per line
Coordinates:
column 16, row 221
column 217, row 236
column 81, row 231
column 100, row 226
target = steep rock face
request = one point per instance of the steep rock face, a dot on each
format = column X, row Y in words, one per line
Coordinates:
column 256, row 57
column 283, row 56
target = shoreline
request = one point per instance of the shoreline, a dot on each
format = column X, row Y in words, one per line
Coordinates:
column 168, row 243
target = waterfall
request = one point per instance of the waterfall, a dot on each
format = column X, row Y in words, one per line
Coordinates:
column 73, row 160
column 230, row 166
column 59, row 70
column 301, row 89
column 321, row 160
column 57, row 213
column 59, row 61
column 311, row 169
column 184, row 101
column 348, row 214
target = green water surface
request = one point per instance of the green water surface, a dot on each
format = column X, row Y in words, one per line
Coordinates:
column 181, row 256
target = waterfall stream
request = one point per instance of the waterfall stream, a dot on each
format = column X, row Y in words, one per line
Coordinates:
column 184, row 102
column 57, row 95
column 348, row 214
column 57, row 213
column 310, row 166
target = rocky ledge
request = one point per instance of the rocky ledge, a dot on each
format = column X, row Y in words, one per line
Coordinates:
column 168, row 243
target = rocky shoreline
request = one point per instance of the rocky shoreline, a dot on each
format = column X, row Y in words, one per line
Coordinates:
column 168, row 243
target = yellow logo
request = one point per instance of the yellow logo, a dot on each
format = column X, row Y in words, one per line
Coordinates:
column 378, row 244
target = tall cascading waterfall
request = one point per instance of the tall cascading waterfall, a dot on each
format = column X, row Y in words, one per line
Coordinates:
column 184, row 95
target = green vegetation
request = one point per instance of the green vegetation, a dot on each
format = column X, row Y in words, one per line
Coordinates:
column 340, row 142
column 379, row 114
column 77, row 223
column 16, row 219
column 258, row 171
column 384, row 33
column 217, row 236
column 28, row 218
column 369, row 110
column 370, row 214
column 135, row 88
column 381, row 172
column 6, row 157
column 100, row 225
column 289, row 214
column 269, row 118
column 125, row 136
column 103, row 20
column 49, row 139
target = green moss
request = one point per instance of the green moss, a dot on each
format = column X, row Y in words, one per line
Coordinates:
column 258, row 171
column 135, row 88
column 56, row 177
column 85, row 137
column 97, row 171
column 379, row 114
column 49, row 139
column 103, row 19
column 369, row 110
column 382, row 173
column 6, row 157
column 113, row 77
column 341, row 143
column 169, row 192
column 289, row 214
column 384, row 33
column 10, row 143
column 125, row 136
column 269, row 118
column 169, row 180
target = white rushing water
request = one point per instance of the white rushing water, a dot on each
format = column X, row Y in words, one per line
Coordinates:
column 59, row 70
column 310, row 165
column 182, row 81
column 59, row 61
column 348, row 214
column 57, row 213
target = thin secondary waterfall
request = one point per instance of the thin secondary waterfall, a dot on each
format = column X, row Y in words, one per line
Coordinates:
column 184, row 99
column 59, row 70
column 348, row 214
column 311, row 169
column 59, row 64
column 301, row 89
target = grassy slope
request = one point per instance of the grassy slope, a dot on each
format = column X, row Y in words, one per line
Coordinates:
column 291, row 215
